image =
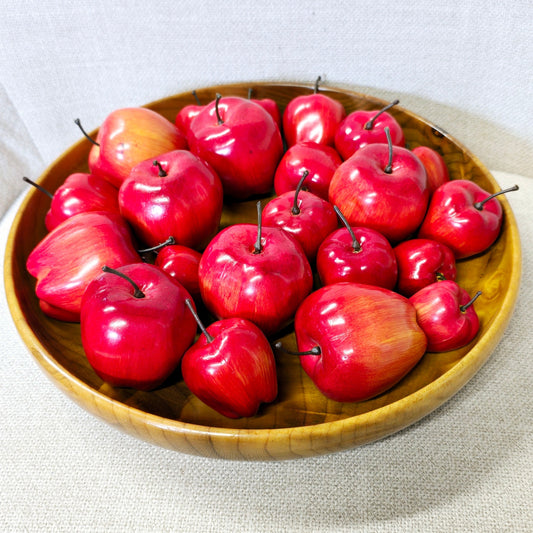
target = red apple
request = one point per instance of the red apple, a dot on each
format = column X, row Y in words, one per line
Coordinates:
column 320, row 160
column 261, row 274
column 464, row 217
column 128, row 136
column 361, row 127
column 231, row 367
column 178, row 195
column 422, row 262
column 436, row 168
column 312, row 117
column 187, row 113
column 67, row 259
column 360, row 340
column 446, row 313
column 242, row 143
column 135, row 325
column 357, row 254
column 269, row 105
column 383, row 187
column 305, row 216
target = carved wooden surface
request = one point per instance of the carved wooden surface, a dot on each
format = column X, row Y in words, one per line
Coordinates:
column 301, row 422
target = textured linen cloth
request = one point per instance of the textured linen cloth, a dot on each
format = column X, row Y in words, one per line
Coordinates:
column 465, row 66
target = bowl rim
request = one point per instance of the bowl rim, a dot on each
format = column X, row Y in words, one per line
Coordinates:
column 443, row 387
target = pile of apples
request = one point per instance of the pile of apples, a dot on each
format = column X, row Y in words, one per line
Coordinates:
column 356, row 243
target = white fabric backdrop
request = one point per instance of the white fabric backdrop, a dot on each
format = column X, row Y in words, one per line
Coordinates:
column 466, row 66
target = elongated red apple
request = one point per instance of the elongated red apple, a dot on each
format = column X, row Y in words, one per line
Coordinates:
column 231, row 367
column 356, row 254
column 242, row 143
column 261, row 274
column 128, row 136
column 178, row 194
column 361, row 127
column 67, row 259
column 464, row 217
column 320, row 160
column 182, row 263
column 80, row 192
column 383, row 187
column 312, row 117
column 422, row 262
column 436, row 168
column 360, row 340
column 446, row 313
column 305, row 216
column 135, row 325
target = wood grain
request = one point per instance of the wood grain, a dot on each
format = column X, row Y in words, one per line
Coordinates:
column 301, row 422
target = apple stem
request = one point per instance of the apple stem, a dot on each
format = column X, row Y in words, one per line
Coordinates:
column 168, row 242
column 295, row 209
column 38, row 187
column 190, row 305
column 356, row 245
column 464, row 307
column 313, row 351
column 318, row 80
column 250, row 91
column 257, row 246
column 162, row 173
column 479, row 205
column 196, row 98
column 388, row 168
column 78, row 122
column 440, row 276
column 137, row 292
column 370, row 124
column 219, row 118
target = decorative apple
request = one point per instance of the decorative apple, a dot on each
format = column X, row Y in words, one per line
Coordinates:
column 313, row 117
column 383, row 187
column 446, row 314
column 361, row 127
column 80, row 192
column 242, row 143
column 422, row 262
column 305, row 216
column 358, row 340
column 360, row 255
column 320, row 160
column 128, row 136
column 71, row 255
column 464, row 217
column 436, row 168
column 135, row 325
column 231, row 367
column 269, row 105
column 178, row 194
column 185, row 115
column 261, row 274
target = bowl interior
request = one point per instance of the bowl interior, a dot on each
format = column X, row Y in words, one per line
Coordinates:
column 300, row 406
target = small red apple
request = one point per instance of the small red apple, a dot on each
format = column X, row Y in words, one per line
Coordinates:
column 436, row 168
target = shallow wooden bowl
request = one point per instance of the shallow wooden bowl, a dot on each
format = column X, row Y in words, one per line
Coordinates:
column 301, row 422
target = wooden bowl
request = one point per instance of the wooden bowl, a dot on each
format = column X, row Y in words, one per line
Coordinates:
column 301, row 422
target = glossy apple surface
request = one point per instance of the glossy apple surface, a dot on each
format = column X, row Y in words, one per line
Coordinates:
column 422, row 262
column 436, row 168
column 181, row 198
column 265, row 287
column 320, row 160
column 135, row 341
column 440, row 313
column 234, row 372
column 393, row 203
column 370, row 261
column 128, row 136
column 71, row 255
column 368, row 339
column 242, row 143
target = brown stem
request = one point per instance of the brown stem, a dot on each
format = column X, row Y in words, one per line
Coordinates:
column 388, row 168
column 313, row 351
column 196, row 98
column 257, row 246
column 219, row 118
column 78, row 122
column 208, row 336
column 479, row 205
column 356, row 245
column 136, row 292
column 370, row 124
column 168, row 242
column 464, row 307
column 38, row 187
column 318, row 80
column 162, row 173
column 295, row 209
